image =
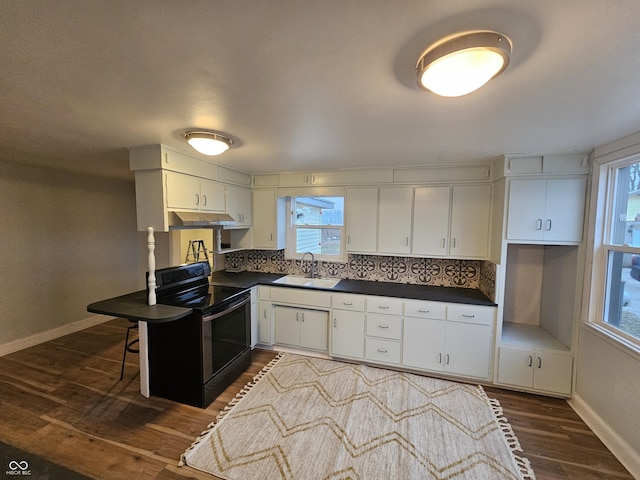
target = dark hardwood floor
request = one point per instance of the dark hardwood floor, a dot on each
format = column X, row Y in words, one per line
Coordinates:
column 63, row 401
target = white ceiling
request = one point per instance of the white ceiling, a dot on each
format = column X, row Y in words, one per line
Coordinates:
column 308, row 84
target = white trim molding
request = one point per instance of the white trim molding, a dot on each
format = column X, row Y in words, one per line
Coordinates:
column 629, row 458
column 42, row 337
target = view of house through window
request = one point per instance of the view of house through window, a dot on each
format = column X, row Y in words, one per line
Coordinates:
column 622, row 305
column 317, row 225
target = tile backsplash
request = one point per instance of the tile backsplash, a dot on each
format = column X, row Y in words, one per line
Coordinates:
column 444, row 272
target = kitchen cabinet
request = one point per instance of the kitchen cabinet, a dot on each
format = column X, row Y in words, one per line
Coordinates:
column 383, row 330
column 456, row 339
column 394, row 220
column 238, row 204
column 546, row 210
column 269, row 217
column 361, row 219
column 543, row 370
column 347, row 334
column 264, row 322
column 301, row 327
column 452, row 221
column 193, row 193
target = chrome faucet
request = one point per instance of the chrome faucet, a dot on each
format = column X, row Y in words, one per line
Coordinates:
column 312, row 271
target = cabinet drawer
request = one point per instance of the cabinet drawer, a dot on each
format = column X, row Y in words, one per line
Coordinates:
column 421, row 309
column 471, row 314
column 345, row 301
column 391, row 306
column 300, row 296
column 384, row 351
column 385, row 326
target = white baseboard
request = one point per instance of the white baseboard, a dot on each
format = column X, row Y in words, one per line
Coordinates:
column 619, row 447
column 39, row 338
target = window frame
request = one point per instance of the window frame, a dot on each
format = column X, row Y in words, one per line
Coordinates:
column 292, row 228
column 603, row 198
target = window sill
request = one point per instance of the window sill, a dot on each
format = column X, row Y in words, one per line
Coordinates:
column 617, row 341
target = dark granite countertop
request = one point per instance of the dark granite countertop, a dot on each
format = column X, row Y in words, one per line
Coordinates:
column 387, row 289
column 134, row 307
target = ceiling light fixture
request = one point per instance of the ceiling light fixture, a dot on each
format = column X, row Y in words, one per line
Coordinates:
column 462, row 63
column 207, row 142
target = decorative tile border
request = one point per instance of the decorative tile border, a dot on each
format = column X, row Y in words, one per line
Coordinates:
column 443, row 272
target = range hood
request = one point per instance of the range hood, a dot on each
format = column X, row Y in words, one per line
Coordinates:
column 199, row 219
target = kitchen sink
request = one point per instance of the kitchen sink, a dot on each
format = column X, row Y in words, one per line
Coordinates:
column 307, row 282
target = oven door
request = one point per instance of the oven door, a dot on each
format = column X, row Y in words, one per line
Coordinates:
column 226, row 334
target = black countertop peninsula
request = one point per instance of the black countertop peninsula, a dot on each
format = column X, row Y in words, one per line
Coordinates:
column 364, row 287
column 134, row 307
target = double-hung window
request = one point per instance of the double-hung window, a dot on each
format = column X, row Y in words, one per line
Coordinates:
column 317, row 225
column 619, row 255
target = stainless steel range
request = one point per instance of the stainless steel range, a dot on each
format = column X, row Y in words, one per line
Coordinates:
column 193, row 359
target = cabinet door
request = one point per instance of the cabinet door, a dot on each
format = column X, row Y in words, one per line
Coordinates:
column 361, row 207
column 314, row 329
column 238, row 204
column 423, row 343
column 565, row 210
column 268, row 227
column 287, row 325
column 347, row 337
column 394, row 220
column 552, row 372
column 213, row 198
column 468, row 349
column 264, row 322
column 515, row 367
column 183, row 191
column 526, row 214
column 431, row 221
column 470, row 220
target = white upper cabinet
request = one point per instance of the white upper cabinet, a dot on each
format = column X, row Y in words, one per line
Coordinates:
column 546, row 210
column 431, row 221
column 193, row 193
column 394, row 220
column 238, row 203
column 361, row 222
column 269, row 216
column 452, row 221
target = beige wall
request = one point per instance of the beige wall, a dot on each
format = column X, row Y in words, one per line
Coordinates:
column 66, row 240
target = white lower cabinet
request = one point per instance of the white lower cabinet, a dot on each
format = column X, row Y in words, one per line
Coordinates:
column 301, row 327
column 450, row 347
column 383, row 351
column 449, row 338
column 544, row 370
column 264, row 322
column 347, row 335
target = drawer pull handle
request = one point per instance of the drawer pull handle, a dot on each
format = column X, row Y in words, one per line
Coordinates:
column 468, row 316
column 439, row 358
column 383, row 326
column 424, row 311
column 382, row 350
column 447, row 359
column 530, row 361
column 539, row 224
column 347, row 304
column 539, row 362
column 383, row 307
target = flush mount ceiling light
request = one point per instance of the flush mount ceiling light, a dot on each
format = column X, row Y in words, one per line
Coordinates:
column 462, row 63
column 208, row 143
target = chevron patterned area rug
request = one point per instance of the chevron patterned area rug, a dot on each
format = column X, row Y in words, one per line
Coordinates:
column 307, row 418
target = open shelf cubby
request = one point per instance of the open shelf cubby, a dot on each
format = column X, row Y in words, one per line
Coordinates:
column 540, row 295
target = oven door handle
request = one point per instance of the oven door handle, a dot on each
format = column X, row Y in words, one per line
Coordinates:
column 229, row 309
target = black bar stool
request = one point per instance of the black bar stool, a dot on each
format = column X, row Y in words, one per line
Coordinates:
column 128, row 345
